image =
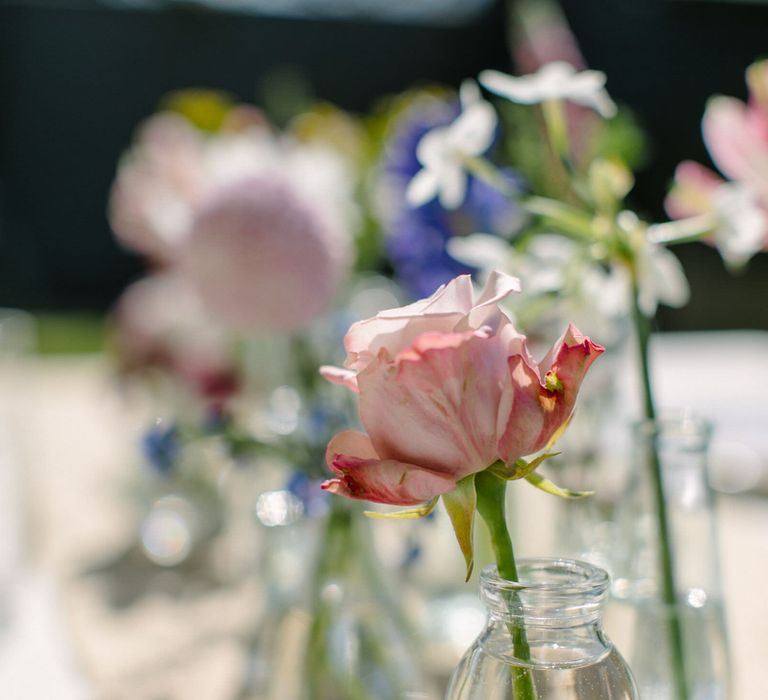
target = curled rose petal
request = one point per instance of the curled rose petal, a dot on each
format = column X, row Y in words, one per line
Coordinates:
column 339, row 375
column 451, row 308
column 364, row 476
column 538, row 405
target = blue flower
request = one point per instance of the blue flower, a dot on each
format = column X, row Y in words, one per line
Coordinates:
column 160, row 447
column 416, row 237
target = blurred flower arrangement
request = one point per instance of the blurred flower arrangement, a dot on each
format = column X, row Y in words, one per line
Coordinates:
column 247, row 232
column 264, row 245
column 579, row 241
column 250, row 235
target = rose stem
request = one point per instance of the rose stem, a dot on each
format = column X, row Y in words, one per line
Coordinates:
column 491, row 504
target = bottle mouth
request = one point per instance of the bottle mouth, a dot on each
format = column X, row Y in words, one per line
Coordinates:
column 549, row 592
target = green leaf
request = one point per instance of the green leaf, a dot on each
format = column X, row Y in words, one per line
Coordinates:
column 545, row 484
column 460, row 504
column 420, row 511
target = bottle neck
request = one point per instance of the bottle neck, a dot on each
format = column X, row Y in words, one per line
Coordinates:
column 559, row 604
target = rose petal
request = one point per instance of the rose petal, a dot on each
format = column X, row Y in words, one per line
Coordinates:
column 350, row 442
column 450, row 308
column 535, row 406
column 339, row 375
column 497, row 287
column 436, row 405
column 395, row 329
column 361, row 475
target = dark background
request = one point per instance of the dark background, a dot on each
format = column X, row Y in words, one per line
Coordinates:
column 76, row 78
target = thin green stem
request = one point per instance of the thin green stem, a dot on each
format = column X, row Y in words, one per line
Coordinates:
column 491, row 504
column 569, row 220
column 557, row 129
column 346, row 554
column 669, row 588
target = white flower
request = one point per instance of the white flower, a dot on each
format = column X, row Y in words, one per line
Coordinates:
column 559, row 282
column 661, row 279
column 557, row 80
column 480, row 250
column 443, row 151
column 741, row 226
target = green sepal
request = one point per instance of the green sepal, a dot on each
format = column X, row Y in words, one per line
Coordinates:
column 545, row 484
column 520, row 468
column 420, row 511
column 460, row 504
column 557, row 434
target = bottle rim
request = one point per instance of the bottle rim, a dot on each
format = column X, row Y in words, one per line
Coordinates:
column 577, row 576
column 551, row 592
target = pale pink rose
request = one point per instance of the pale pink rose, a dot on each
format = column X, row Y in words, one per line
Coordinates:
column 451, row 308
column 447, row 387
column 260, row 257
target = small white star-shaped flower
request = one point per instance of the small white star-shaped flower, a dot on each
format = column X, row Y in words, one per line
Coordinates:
column 444, row 150
column 557, row 80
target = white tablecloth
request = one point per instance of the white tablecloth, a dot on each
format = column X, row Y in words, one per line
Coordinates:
column 74, row 444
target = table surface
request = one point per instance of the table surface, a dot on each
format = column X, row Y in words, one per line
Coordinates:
column 67, row 423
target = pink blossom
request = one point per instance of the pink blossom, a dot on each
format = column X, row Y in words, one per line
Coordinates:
column 260, row 224
column 736, row 135
column 158, row 184
column 160, row 323
column 735, row 211
column 736, row 218
column 693, row 191
column 259, row 257
column 447, row 388
column 450, row 308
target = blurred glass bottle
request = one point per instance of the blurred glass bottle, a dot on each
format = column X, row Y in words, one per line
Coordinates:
column 332, row 629
column 680, row 443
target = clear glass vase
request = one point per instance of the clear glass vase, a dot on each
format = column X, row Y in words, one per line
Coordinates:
column 333, row 628
column 690, row 632
column 557, row 608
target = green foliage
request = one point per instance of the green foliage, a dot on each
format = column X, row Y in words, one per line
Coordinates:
column 460, row 504
column 70, row 333
column 622, row 138
column 204, row 108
